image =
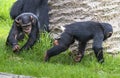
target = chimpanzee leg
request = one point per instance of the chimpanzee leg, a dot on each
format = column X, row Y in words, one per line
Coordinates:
column 97, row 47
column 44, row 16
column 54, row 51
column 80, row 53
column 63, row 44
column 16, row 9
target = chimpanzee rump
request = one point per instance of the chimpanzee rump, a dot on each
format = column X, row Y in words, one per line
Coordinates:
column 25, row 23
column 38, row 7
column 83, row 32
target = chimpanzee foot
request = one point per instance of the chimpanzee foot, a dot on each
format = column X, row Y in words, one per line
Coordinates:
column 46, row 58
column 101, row 61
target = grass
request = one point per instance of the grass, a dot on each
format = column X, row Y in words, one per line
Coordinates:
column 62, row 66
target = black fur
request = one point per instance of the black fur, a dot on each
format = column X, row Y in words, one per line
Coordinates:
column 83, row 32
column 16, row 33
column 38, row 7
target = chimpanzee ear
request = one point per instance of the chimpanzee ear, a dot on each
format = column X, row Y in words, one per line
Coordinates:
column 109, row 34
column 17, row 21
column 32, row 19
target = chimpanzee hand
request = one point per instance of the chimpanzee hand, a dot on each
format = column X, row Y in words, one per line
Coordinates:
column 16, row 48
column 77, row 58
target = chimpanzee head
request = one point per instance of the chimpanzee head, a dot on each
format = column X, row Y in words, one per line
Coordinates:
column 108, row 30
column 25, row 22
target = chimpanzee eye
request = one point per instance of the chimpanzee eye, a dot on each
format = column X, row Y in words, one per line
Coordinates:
column 17, row 24
column 24, row 27
column 28, row 25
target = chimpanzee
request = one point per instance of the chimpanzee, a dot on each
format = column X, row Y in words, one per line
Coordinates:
column 25, row 23
column 83, row 32
column 38, row 7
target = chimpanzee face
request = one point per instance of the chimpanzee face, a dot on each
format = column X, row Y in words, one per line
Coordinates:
column 27, row 28
column 108, row 30
column 25, row 23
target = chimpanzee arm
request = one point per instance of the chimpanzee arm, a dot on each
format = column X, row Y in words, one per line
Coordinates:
column 34, row 35
column 12, row 37
column 81, row 47
column 97, row 46
column 16, row 9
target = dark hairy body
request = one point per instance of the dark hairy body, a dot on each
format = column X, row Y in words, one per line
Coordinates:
column 82, row 32
column 38, row 7
column 25, row 23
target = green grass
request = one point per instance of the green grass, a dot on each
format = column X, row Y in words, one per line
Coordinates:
column 62, row 66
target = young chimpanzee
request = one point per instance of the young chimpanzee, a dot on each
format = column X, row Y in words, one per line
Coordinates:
column 83, row 32
column 38, row 7
column 25, row 23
